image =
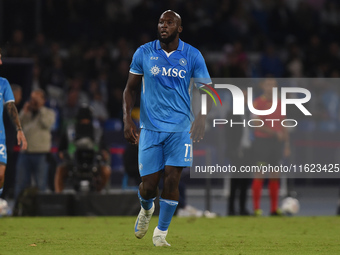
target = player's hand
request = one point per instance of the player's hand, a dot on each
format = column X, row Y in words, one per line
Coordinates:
column 197, row 129
column 21, row 140
column 130, row 132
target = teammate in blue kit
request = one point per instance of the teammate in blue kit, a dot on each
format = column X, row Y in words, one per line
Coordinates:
column 7, row 98
column 164, row 69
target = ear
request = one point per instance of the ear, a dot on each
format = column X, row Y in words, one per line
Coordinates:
column 180, row 29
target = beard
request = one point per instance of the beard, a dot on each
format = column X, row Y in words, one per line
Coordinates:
column 169, row 39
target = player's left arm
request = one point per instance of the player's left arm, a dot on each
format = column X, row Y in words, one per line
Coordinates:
column 198, row 126
column 201, row 75
column 14, row 116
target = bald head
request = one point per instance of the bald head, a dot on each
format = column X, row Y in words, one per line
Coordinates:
column 175, row 14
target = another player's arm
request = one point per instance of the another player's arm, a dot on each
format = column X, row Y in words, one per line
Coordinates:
column 198, row 126
column 129, row 99
column 14, row 116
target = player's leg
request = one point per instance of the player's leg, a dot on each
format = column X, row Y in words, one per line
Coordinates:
column 260, row 159
column 2, row 176
column 177, row 154
column 274, row 178
column 3, row 162
column 147, row 193
column 243, row 184
column 59, row 178
column 168, row 203
column 232, row 196
column 274, row 188
column 105, row 173
column 150, row 158
column 257, row 192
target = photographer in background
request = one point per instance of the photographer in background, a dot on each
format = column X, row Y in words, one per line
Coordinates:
column 82, row 140
column 37, row 121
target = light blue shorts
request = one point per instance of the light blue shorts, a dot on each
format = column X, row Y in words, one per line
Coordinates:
column 3, row 151
column 159, row 149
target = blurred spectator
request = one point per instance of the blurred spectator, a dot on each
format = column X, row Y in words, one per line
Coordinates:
column 99, row 109
column 333, row 56
column 40, row 49
column 280, row 22
column 116, row 91
column 37, row 80
column 103, row 83
column 330, row 19
column 17, row 46
column 70, row 106
column 314, row 54
column 82, row 136
column 294, row 64
column 37, row 121
column 270, row 64
column 95, row 59
column 305, row 22
column 235, row 65
column 56, row 74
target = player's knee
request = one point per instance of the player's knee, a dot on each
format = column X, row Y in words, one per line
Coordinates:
column 171, row 183
column 149, row 188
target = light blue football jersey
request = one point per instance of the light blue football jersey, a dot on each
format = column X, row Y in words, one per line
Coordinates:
column 166, row 85
column 6, row 95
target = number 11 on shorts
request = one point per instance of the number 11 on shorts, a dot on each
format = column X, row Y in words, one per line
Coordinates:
column 187, row 148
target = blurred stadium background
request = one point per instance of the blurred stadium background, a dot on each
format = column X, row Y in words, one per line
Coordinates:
column 80, row 51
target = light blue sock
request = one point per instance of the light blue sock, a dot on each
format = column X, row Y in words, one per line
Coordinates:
column 146, row 203
column 167, row 210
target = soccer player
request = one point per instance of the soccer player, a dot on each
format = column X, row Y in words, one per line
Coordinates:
column 271, row 143
column 165, row 68
column 7, row 98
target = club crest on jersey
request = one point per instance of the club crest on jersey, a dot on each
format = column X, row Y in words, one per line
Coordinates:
column 183, row 62
column 155, row 70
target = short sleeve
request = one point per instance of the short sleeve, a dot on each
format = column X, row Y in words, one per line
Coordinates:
column 7, row 94
column 201, row 75
column 136, row 66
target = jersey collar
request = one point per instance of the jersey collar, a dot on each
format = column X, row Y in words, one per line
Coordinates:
column 180, row 45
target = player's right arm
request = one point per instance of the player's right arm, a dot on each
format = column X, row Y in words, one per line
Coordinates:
column 129, row 99
column 14, row 116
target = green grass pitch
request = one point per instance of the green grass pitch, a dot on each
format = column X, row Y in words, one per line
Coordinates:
column 114, row 235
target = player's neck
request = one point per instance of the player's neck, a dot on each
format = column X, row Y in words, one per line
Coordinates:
column 171, row 46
